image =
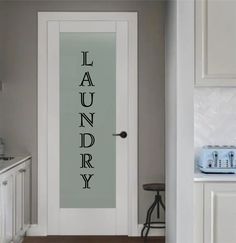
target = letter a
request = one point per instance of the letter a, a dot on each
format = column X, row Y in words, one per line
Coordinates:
column 88, row 79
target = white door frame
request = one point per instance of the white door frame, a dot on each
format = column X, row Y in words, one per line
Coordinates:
column 43, row 18
column 179, row 94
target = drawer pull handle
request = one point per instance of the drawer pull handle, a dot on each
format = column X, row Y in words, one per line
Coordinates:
column 22, row 170
column 4, row 183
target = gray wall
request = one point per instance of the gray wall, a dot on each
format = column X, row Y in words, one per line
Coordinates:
column 20, row 94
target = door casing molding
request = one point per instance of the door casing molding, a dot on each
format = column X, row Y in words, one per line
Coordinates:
column 41, row 229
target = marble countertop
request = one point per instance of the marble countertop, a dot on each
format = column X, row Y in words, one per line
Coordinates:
column 201, row 177
column 6, row 165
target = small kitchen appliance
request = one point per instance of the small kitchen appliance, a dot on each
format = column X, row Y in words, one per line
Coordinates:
column 217, row 159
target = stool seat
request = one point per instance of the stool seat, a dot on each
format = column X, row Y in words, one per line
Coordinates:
column 154, row 187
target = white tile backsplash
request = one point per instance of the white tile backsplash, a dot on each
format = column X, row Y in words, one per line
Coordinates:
column 214, row 116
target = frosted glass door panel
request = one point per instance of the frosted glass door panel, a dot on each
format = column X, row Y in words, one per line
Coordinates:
column 87, row 120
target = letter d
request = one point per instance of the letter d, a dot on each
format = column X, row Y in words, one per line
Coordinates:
column 84, row 141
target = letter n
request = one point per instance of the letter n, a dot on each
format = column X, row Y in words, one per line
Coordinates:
column 83, row 117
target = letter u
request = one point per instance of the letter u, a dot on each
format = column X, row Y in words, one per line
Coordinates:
column 82, row 97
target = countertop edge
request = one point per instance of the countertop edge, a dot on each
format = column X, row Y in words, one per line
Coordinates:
column 201, row 177
column 17, row 161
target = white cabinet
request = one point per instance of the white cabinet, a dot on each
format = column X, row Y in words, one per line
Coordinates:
column 7, row 201
column 27, row 196
column 215, row 212
column 22, row 200
column 215, row 43
column 19, row 194
column 15, row 203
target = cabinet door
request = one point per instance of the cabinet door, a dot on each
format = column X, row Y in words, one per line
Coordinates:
column 215, row 43
column 19, row 201
column 220, row 213
column 22, row 199
column 27, row 196
column 198, row 212
column 8, row 205
column 1, row 216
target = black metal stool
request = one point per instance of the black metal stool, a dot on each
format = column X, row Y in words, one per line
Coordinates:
column 157, row 187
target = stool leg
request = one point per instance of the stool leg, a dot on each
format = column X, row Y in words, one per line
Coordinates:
column 144, row 226
column 162, row 204
column 158, row 206
column 143, row 231
column 148, row 219
column 149, row 216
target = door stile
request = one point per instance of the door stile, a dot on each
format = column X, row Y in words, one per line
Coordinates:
column 122, row 125
column 53, row 127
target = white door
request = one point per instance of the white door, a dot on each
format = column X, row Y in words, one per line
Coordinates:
column 88, row 106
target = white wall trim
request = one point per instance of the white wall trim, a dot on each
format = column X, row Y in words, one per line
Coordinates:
column 179, row 121
column 185, row 121
column 35, row 230
column 43, row 17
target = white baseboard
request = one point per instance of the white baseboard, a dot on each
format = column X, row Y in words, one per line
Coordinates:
column 35, row 230
column 152, row 232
